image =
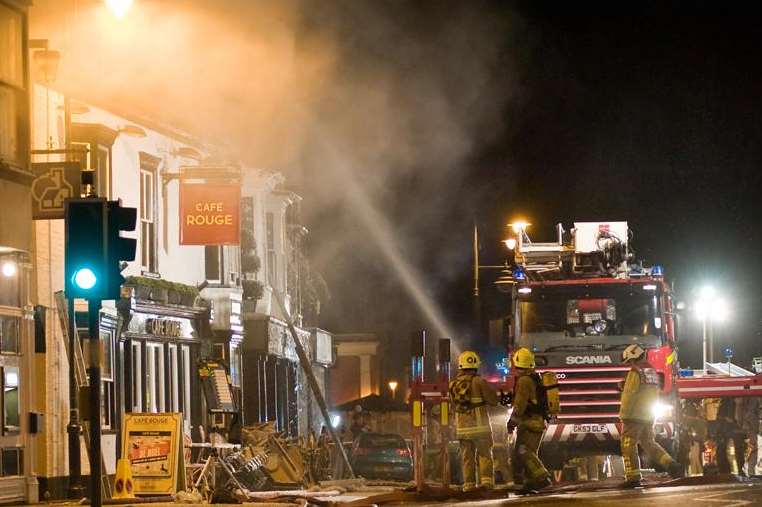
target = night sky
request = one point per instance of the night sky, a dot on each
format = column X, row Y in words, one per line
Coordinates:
column 653, row 118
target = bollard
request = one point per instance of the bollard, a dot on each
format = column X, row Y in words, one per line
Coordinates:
column 443, row 369
column 417, row 348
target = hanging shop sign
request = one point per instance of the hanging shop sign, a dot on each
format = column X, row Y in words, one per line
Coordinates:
column 54, row 183
column 209, row 214
column 153, row 445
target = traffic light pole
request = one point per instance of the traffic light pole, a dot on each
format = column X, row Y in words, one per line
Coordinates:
column 73, row 428
column 94, row 375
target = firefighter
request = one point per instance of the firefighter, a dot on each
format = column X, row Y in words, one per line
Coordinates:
column 639, row 395
column 529, row 415
column 471, row 395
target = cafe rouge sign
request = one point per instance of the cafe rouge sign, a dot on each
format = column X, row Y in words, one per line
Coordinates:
column 209, row 214
column 160, row 326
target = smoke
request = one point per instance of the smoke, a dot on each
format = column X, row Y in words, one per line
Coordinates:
column 372, row 108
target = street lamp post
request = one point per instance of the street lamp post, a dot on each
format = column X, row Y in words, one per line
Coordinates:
column 710, row 308
column 393, row 388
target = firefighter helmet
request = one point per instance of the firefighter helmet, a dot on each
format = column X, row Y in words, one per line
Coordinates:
column 523, row 358
column 632, row 353
column 468, row 360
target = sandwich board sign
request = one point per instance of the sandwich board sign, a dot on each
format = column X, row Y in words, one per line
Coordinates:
column 153, row 443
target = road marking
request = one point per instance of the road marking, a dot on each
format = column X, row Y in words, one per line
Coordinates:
column 724, row 502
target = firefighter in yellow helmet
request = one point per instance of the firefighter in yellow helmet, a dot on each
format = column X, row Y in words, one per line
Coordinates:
column 640, row 394
column 471, row 395
column 529, row 417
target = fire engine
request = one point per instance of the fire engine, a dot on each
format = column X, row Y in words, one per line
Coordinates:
column 577, row 303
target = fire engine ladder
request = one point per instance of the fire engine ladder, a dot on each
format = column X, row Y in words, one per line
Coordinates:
column 80, row 376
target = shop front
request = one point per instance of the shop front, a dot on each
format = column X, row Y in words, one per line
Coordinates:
column 17, row 346
column 158, row 353
column 275, row 387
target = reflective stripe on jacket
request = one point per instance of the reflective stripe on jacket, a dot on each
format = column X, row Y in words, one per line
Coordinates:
column 638, row 397
column 475, row 422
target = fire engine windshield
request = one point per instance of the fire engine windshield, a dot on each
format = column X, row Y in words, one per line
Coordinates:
column 560, row 317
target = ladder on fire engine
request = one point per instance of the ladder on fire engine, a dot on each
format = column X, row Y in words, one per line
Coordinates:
column 80, row 376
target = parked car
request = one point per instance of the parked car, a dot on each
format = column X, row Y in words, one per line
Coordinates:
column 382, row 456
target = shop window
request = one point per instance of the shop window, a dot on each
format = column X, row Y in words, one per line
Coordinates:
column 235, row 365
column 11, row 463
column 9, row 334
column 108, row 403
column 149, row 166
column 9, row 280
column 187, row 370
column 11, row 415
column 137, row 378
column 173, row 397
column 13, row 98
column 154, row 372
column 272, row 267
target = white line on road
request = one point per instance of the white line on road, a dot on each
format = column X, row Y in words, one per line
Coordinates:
column 727, row 502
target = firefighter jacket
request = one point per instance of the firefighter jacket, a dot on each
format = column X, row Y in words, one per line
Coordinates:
column 474, row 423
column 527, row 413
column 639, row 395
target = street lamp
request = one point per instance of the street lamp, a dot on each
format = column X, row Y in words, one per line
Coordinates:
column 709, row 308
column 118, row 8
column 393, row 387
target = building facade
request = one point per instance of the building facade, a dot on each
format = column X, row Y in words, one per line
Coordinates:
column 181, row 302
column 18, row 348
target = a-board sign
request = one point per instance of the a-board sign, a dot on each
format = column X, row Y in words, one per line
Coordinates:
column 153, row 443
column 216, row 385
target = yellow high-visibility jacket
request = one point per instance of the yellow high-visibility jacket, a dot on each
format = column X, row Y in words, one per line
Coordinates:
column 474, row 423
column 639, row 395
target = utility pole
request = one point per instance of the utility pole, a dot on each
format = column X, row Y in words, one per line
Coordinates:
column 73, row 429
column 94, row 375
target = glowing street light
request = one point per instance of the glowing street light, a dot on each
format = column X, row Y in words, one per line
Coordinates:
column 393, row 387
column 9, row 269
column 118, row 8
column 710, row 308
column 519, row 226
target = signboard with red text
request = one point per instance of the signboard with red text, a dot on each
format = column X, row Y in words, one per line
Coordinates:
column 210, row 214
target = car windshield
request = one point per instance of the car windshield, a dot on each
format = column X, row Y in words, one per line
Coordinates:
column 567, row 317
column 382, row 442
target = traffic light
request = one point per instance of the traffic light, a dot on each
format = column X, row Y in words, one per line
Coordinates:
column 95, row 249
column 85, row 250
column 119, row 249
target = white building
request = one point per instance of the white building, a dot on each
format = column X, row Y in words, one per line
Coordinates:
column 209, row 301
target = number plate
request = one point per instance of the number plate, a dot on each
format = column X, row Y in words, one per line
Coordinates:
column 589, row 428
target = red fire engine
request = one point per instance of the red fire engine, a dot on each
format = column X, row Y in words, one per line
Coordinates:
column 577, row 303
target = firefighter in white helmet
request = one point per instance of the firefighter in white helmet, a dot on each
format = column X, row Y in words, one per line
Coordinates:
column 528, row 415
column 471, row 395
column 640, row 394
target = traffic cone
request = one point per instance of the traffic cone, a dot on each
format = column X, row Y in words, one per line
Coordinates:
column 123, row 485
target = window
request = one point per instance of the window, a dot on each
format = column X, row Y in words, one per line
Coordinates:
column 137, row 378
column 213, row 263
column 173, row 398
column 147, row 222
column 154, row 377
column 108, row 406
column 272, row 268
column 11, row 415
column 186, row 363
column 235, row 364
column 9, row 334
column 92, row 144
column 9, row 285
column 12, row 462
column 13, row 98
